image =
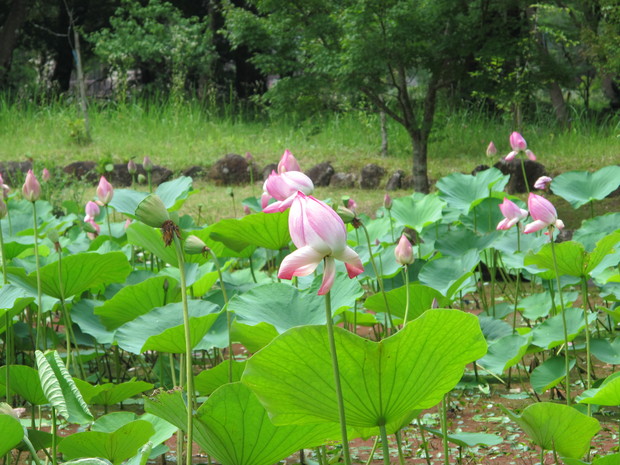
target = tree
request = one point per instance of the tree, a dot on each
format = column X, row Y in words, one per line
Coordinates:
column 399, row 53
column 9, row 33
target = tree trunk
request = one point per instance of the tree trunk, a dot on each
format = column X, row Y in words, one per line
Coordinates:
column 559, row 105
column 384, row 134
column 9, row 34
column 420, row 168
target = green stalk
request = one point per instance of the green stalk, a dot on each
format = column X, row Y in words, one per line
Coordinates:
column 406, row 295
column 379, row 278
column 527, row 186
column 332, row 349
column 8, row 324
column 385, row 445
column 41, row 336
column 107, row 220
column 231, row 354
column 444, row 430
column 373, row 450
column 557, row 278
column 401, row 457
column 427, row 456
column 33, row 453
column 54, row 431
column 391, row 225
column 584, row 290
column 188, row 352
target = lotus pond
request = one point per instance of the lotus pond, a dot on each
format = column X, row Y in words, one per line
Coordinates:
column 303, row 331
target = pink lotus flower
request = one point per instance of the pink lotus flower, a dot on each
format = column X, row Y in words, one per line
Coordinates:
column 264, row 200
column 246, row 210
column 351, row 204
column 283, row 187
column 91, row 209
column 544, row 214
column 46, row 176
column 387, row 202
column 491, row 150
column 131, row 167
column 147, row 164
column 288, row 163
column 105, row 191
column 542, row 183
column 512, row 214
column 31, row 188
column 518, row 144
column 404, row 251
column 5, row 189
column 318, row 233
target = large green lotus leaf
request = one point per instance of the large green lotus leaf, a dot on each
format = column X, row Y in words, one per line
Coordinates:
column 449, row 274
column 381, row 381
column 557, row 427
column 14, row 246
column 174, row 193
column 82, row 272
column 581, row 187
column 133, row 301
column 12, row 433
column 606, row 351
column 240, row 433
column 88, row 461
column 484, row 217
column 110, row 393
column 219, row 248
column 115, row 447
column 464, row 191
column 162, row 328
column 420, row 299
column 607, row 394
column 570, row 255
column 458, row 241
column 127, row 200
column 24, row 382
column 253, row 337
column 268, row 230
column 208, row 381
column 83, row 315
column 549, row 374
column 604, row 249
column 417, row 211
column 113, row 421
column 151, row 239
column 550, row 333
column 539, row 305
column 13, row 299
column 60, row 389
column 593, row 230
column 505, row 353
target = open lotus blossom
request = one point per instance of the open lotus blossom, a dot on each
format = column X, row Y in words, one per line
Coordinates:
column 105, row 191
column 518, row 144
column 512, row 214
column 404, row 251
column 288, row 163
column 283, row 187
column 31, row 188
column 542, row 183
column 319, row 234
column 544, row 214
column 491, row 150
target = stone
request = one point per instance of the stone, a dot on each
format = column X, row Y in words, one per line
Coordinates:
column 230, row 169
column 395, row 181
column 268, row 169
column 14, row 172
column 343, row 180
column 516, row 184
column 82, row 170
column 479, row 168
column 321, row 174
column 195, row 172
column 371, row 176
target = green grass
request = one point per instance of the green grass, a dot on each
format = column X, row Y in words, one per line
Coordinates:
column 196, row 134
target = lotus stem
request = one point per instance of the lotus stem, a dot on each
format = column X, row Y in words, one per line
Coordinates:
column 405, row 268
column 332, row 349
column 401, row 458
column 527, row 186
column 8, row 324
column 107, row 220
column 586, row 313
column 41, row 336
column 384, row 445
column 188, row 352
column 557, row 279
column 231, row 354
column 424, row 443
column 373, row 450
column 444, row 430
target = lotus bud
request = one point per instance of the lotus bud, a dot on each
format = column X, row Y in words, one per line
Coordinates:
column 387, row 202
column 246, row 210
column 31, row 188
column 53, row 236
column 92, row 209
column 345, row 214
column 152, row 211
column 46, row 176
column 91, row 227
column 491, row 150
column 147, row 164
column 3, row 209
column 141, row 179
column 127, row 224
column 105, row 191
column 249, row 158
column 404, row 251
column 195, row 246
column 131, row 167
column 351, row 204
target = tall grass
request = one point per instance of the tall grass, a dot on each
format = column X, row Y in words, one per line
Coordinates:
column 195, row 133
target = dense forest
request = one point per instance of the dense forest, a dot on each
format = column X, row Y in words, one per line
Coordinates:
column 402, row 58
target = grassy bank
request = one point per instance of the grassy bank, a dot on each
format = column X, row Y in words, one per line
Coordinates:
column 193, row 134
